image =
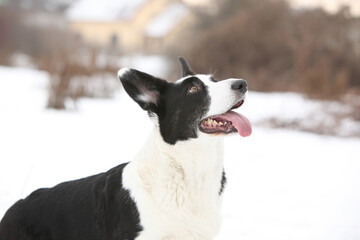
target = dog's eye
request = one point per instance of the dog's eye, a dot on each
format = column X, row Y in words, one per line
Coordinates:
column 194, row 89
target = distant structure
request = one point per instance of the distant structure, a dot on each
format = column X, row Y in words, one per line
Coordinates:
column 129, row 25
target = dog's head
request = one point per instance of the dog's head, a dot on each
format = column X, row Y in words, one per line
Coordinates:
column 195, row 104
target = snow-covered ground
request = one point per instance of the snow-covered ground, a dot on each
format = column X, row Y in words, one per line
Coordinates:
column 282, row 184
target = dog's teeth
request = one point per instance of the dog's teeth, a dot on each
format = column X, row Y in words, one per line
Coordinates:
column 208, row 122
column 213, row 123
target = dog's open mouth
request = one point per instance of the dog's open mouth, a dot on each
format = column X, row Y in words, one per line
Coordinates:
column 227, row 122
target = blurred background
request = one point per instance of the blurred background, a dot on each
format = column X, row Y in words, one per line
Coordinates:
column 64, row 115
column 308, row 47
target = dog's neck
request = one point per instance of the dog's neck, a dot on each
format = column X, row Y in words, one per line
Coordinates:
column 184, row 175
column 179, row 184
column 198, row 156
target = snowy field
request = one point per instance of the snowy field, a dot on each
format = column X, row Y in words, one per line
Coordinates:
column 282, row 184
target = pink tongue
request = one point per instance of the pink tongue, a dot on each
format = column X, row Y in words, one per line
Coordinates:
column 240, row 122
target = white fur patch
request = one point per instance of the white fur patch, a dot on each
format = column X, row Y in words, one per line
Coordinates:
column 222, row 96
column 176, row 188
column 122, row 71
column 148, row 96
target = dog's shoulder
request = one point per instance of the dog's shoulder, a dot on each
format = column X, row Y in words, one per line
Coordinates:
column 98, row 200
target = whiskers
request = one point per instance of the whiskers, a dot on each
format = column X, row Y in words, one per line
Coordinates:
column 213, row 74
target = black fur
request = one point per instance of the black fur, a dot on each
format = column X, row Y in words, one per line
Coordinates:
column 178, row 110
column 186, row 71
column 212, row 79
column 137, row 83
column 92, row 208
column 223, row 182
column 182, row 111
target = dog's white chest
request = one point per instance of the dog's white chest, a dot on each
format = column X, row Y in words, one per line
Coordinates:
column 178, row 224
column 177, row 194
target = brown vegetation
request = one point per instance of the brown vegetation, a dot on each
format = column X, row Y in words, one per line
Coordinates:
column 71, row 76
column 72, row 65
column 9, row 24
column 277, row 48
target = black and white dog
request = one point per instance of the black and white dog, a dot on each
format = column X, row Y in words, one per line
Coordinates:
column 172, row 189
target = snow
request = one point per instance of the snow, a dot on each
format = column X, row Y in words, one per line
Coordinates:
column 151, row 64
column 292, row 109
column 282, row 184
column 163, row 23
column 291, row 185
column 105, row 10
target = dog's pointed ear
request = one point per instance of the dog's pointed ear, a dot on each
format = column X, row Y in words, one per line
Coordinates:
column 142, row 88
column 186, row 71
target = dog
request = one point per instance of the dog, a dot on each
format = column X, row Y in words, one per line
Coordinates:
column 173, row 188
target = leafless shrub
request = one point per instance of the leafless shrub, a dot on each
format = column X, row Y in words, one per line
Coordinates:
column 9, row 26
column 277, row 48
column 71, row 76
column 72, row 65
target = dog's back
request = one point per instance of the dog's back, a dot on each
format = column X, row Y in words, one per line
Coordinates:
column 96, row 207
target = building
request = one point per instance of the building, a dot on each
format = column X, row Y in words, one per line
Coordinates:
column 129, row 25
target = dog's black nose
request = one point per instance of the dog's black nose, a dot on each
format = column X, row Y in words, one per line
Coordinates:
column 239, row 85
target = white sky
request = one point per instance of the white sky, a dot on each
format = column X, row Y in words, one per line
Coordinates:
column 330, row 5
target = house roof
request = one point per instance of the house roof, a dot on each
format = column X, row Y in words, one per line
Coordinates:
column 105, row 10
column 165, row 21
